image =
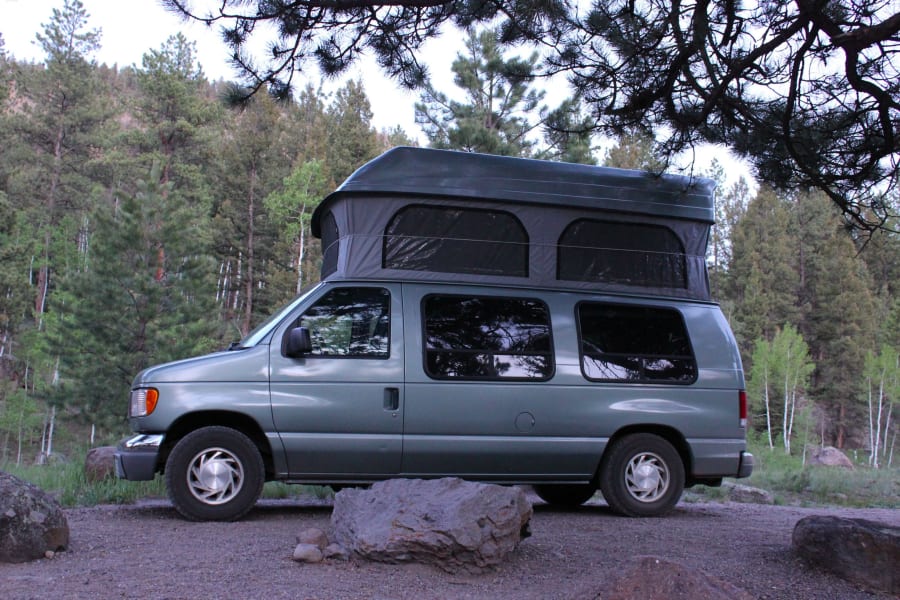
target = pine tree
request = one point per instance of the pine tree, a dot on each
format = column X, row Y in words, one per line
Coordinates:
column 63, row 112
column 839, row 323
column 763, row 279
column 125, row 311
column 352, row 141
column 496, row 117
column 255, row 160
column 634, row 150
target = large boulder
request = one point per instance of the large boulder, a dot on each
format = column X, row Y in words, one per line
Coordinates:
column 654, row 578
column 864, row 552
column 31, row 522
column 450, row 523
column 100, row 463
column 830, row 456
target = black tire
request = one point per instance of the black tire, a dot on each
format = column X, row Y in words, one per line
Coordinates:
column 569, row 495
column 642, row 475
column 214, row 474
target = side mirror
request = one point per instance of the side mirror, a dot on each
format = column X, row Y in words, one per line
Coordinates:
column 298, row 342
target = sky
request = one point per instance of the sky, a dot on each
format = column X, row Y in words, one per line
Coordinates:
column 127, row 34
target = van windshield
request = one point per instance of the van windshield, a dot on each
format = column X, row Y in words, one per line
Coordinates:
column 263, row 329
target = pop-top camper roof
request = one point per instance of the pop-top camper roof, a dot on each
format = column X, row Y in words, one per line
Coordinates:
column 424, row 214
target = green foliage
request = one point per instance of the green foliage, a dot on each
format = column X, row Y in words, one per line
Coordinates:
column 882, row 382
column 290, row 212
column 499, row 102
column 143, row 299
column 67, row 483
column 792, row 482
column 778, row 381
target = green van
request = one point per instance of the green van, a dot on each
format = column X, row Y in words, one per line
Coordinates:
column 497, row 319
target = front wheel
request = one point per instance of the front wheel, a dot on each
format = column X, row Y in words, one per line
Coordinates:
column 642, row 475
column 214, row 474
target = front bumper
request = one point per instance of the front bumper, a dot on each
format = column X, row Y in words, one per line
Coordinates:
column 136, row 457
column 746, row 465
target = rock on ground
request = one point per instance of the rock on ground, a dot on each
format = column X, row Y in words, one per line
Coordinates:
column 738, row 492
column 654, row 578
column 453, row 524
column 864, row 552
column 31, row 522
column 100, row 463
column 830, row 457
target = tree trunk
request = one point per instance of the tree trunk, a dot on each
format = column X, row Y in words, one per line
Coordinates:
column 248, row 284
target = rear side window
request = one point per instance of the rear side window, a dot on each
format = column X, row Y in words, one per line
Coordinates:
column 634, row 344
column 487, row 338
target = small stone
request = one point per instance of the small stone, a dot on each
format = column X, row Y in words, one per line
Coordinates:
column 307, row 553
column 746, row 494
column 49, row 554
column 314, row 536
column 336, row 551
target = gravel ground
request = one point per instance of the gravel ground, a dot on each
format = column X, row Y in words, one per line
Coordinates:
column 146, row 551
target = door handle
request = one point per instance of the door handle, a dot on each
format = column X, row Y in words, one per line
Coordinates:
column 391, row 398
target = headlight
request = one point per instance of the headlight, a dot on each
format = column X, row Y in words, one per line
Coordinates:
column 143, row 402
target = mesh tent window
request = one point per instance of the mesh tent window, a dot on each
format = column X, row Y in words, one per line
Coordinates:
column 623, row 253
column 331, row 245
column 452, row 239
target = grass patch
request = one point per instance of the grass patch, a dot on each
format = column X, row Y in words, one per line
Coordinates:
column 276, row 490
column 67, row 483
column 792, row 482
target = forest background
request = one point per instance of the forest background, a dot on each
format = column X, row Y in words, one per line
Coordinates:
column 144, row 219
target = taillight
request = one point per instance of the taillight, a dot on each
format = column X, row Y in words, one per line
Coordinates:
column 742, row 407
column 143, row 402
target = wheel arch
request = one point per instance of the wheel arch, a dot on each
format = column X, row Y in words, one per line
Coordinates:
column 670, row 434
column 189, row 422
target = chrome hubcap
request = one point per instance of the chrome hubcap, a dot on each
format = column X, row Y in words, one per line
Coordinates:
column 646, row 477
column 215, row 476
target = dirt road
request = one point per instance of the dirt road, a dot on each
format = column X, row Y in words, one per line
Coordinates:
column 146, row 551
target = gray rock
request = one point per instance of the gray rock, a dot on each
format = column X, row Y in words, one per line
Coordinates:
column 314, row 536
column 308, row 553
column 336, row 551
column 864, row 552
column 31, row 521
column 450, row 523
column 654, row 578
column 746, row 494
column 830, row 457
column 100, row 463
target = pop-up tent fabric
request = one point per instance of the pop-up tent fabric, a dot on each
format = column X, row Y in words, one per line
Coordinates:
column 437, row 215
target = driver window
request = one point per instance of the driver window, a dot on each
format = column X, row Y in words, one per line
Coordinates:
column 350, row 322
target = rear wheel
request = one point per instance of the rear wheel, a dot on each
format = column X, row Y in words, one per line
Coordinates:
column 565, row 495
column 214, row 474
column 642, row 475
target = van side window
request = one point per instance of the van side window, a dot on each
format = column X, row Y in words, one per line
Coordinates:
column 350, row 322
column 623, row 253
column 487, row 338
column 634, row 344
column 452, row 239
